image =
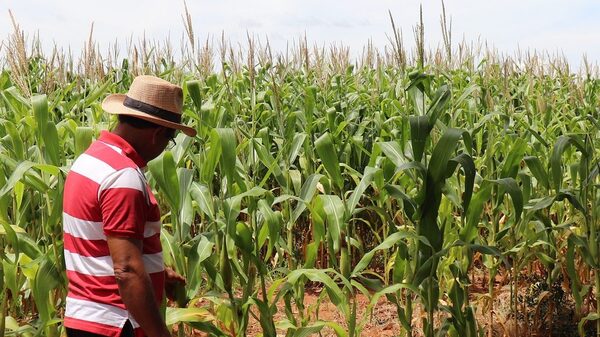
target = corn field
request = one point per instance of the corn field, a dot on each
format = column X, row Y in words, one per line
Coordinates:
column 451, row 184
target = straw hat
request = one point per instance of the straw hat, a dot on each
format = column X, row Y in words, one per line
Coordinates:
column 152, row 99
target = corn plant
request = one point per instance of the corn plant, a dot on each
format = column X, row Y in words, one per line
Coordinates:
column 388, row 178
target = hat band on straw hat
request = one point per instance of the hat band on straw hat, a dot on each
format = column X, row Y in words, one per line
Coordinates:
column 152, row 110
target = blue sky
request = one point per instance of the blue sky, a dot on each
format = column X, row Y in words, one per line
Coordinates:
column 568, row 27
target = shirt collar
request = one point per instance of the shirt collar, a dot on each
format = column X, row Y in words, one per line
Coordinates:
column 115, row 140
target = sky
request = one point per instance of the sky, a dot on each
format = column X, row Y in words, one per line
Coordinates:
column 570, row 28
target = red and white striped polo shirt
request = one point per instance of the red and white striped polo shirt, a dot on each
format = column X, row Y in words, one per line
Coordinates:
column 106, row 194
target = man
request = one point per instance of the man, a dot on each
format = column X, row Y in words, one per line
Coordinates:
column 111, row 220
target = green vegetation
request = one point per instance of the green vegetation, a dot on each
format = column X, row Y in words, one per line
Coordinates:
column 389, row 177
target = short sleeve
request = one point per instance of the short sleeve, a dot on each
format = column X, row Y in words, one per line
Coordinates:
column 124, row 204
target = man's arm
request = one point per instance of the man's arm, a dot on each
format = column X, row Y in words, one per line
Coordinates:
column 135, row 286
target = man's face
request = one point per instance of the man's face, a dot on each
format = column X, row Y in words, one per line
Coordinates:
column 162, row 137
column 170, row 133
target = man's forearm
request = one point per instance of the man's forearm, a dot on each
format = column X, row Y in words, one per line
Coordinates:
column 138, row 296
column 135, row 286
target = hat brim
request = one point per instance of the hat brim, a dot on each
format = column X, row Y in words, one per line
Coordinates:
column 113, row 104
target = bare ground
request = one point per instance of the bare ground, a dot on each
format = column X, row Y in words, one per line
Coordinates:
column 539, row 311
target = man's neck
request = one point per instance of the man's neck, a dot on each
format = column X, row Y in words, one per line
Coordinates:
column 135, row 137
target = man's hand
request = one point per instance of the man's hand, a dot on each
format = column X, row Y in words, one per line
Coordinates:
column 171, row 276
column 174, row 284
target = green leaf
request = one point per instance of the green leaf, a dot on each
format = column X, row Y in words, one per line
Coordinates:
column 273, row 220
column 243, row 238
column 266, row 316
column 468, row 166
column 328, row 155
column 438, row 104
column 46, row 279
column 177, row 315
column 393, row 151
column 436, row 175
column 468, row 91
column 9, row 269
column 593, row 316
column 209, row 328
column 419, row 132
column 537, row 204
column 443, row 151
column 252, row 193
column 510, row 186
column 17, row 175
column 316, row 275
column 306, row 193
column 297, row 143
column 228, row 152
column 193, row 88
column 270, row 163
column 172, row 252
column 205, row 249
column 556, row 158
column 28, row 246
column 310, row 95
column 197, row 318
column 97, row 92
column 409, row 205
column 388, row 243
column 469, row 232
column 360, row 189
column 536, row 168
column 332, row 209
column 487, row 250
column 51, row 144
column 164, row 171
column 12, row 238
column 199, row 252
column 211, row 159
column 572, row 272
column 39, row 104
column 16, row 140
column 511, row 164
column 201, row 194
column 316, row 327
column 83, row 139
column 391, row 290
column 185, row 177
column 564, row 194
column 417, row 89
column 311, row 253
column 21, row 172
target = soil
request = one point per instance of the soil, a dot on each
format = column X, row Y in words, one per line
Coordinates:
column 541, row 311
